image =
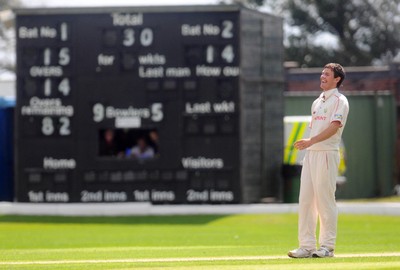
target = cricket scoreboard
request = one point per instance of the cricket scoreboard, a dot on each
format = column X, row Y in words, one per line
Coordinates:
column 147, row 104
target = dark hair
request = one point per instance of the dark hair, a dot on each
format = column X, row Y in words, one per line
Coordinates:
column 338, row 71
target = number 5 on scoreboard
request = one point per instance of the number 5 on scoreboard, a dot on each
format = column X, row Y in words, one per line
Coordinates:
column 157, row 112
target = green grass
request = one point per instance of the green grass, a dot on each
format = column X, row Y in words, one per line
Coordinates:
column 389, row 199
column 75, row 240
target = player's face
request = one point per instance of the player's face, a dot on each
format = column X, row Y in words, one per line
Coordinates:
column 328, row 82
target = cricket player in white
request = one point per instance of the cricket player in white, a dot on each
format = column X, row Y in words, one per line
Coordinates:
column 320, row 168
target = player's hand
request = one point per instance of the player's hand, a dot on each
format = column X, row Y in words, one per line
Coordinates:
column 302, row 144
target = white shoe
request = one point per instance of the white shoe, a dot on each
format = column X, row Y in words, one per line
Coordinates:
column 301, row 253
column 323, row 252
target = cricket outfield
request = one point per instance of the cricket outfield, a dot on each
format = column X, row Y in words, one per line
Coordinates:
column 231, row 241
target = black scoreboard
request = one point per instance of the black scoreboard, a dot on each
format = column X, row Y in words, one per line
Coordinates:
column 148, row 104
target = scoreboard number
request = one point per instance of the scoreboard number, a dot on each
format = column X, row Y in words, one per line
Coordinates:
column 64, row 32
column 227, row 29
column 129, row 37
column 47, row 57
column 227, row 54
column 157, row 114
column 65, row 126
column 98, row 112
column 48, row 128
column 64, row 57
column 47, row 87
column 63, row 87
column 146, row 37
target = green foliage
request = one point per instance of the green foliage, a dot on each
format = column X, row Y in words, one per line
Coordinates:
column 9, row 4
column 256, row 2
column 368, row 32
column 7, row 39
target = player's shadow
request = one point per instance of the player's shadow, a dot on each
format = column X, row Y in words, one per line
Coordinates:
column 128, row 220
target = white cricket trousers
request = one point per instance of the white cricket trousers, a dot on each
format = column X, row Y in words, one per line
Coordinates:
column 317, row 199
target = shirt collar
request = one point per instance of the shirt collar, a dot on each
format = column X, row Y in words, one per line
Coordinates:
column 325, row 95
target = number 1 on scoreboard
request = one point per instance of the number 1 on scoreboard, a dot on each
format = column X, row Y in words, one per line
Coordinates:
column 64, row 31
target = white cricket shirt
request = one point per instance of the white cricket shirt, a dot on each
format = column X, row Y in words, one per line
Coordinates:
column 328, row 107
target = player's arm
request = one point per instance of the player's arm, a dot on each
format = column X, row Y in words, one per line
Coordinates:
column 327, row 133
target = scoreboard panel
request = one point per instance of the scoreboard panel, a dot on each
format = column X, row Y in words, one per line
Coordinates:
column 129, row 104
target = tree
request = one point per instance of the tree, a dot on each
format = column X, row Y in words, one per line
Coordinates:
column 362, row 32
column 9, row 4
column 7, row 35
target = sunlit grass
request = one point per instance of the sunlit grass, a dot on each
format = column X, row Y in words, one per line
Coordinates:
column 72, row 241
column 383, row 199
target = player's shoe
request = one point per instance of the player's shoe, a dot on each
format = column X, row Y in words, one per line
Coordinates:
column 323, row 252
column 301, row 253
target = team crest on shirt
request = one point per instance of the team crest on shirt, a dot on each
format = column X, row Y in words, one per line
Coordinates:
column 338, row 116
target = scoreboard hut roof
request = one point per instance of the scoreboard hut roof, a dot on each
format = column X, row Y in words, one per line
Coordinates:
column 155, row 9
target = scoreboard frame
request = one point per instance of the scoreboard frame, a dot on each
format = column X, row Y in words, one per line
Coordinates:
column 159, row 104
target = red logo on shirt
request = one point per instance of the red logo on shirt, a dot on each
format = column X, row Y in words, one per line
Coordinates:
column 320, row 118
